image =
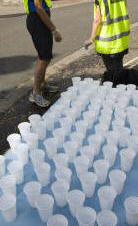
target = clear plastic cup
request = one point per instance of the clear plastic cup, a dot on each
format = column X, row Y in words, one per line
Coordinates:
column 66, row 124
column 86, row 216
column 110, row 152
column 76, row 80
column 106, row 218
column 106, row 195
column 34, row 119
column 127, row 157
column 37, row 157
column 81, row 164
column 32, row 191
column 77, row 137
column 23, row 128
column 89, row 152
column 8, row 185
column 131, row 209
column 51, row 147
column 8, row 207
column 81, row 127
column 117, row 179
column 59, row 134
column 101, row 174
column 60, row 160
column 112, row 137
column 43, row 173
column 44, row 205
column 41, row 130
column 131, row 87
column 133, row 143
column 49, row 121
column 32, row 140
column 2, row 166
column 13, row 140
column 58, row 220
column 75, row 200
column 71, row 149
column 63, row 173
column 21, row 152
column 15, row 168
column 95, row 141
column 60, row 190
column 88, row 182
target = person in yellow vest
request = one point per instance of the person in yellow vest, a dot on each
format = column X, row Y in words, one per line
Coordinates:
column 42, row 31
column 111, row 34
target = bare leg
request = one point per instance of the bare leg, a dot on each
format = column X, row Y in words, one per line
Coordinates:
column 39, row 75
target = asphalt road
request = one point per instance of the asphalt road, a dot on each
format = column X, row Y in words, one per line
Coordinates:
column 17, row 54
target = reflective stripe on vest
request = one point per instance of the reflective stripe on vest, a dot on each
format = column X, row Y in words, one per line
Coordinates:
column 29, row 4
column 113, row 33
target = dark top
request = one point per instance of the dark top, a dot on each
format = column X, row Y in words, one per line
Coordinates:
column 116, row 54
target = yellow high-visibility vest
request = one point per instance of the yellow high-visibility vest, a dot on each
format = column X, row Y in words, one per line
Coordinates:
column 113, row 34
column 29, row 5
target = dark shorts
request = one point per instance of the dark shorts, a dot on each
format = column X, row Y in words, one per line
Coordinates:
column 41, row 36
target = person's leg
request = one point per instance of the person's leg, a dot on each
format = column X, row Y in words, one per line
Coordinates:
column 39, row 75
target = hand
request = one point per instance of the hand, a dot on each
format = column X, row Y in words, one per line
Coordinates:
column 57, row 36
column 88, row 43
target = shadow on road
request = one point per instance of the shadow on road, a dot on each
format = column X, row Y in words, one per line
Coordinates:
column 13, row 64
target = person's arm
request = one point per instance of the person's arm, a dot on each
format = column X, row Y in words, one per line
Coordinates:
column 97, row 21
column 46, row 20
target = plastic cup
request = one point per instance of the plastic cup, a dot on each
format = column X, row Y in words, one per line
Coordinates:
column 58, row 220
column 41, row 130
column 15, row 168
column 63, row 173
column 60, row 190
column 101, row 174
column 13, row 140
column 131, row 209
column 32, row 140
column 95, row 141
column 21, row 151
column 71, row 149
column 44, row 205
column 49, row 122
column 106, row 195
column 32, row 190
column 81, row 127
column 59, row 134
column 34, row 119
column 86, row 216
column 112, row 137
column 127, row 158
column 88, row 182
column 76, row 80
column 60, row 160
column 37, row 157
column 43, row 173
column 89, row 152
column 8, row 185
column 24, row 127
column 77, row 137
column 2, row 166
column 66, row 124
column 131, row 87
column 81, row 164
column 51, row 147
column 117, row 179
column 109, row 152
column 8, row 207
column 75, row 200
column 106, row 218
